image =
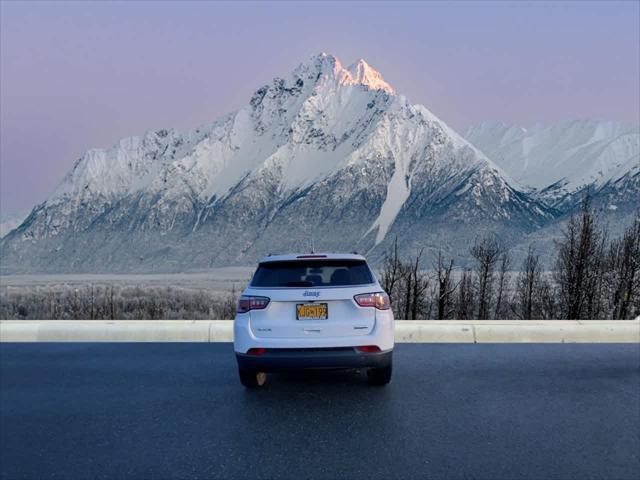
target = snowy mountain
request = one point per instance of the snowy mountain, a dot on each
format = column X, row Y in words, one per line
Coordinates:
column 9, row 221
column 563, row 161
column 327, row 153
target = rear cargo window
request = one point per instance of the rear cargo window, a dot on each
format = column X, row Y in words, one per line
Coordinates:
column 312, row 273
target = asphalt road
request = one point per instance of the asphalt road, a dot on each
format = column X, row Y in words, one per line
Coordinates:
column 452, row 411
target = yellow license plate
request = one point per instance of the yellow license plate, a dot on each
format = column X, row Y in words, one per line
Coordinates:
column 312, row 311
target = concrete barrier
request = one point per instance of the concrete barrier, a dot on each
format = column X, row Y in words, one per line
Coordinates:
column 407, row 331
column 558, row 331
column 111, row 331
column 431, row 331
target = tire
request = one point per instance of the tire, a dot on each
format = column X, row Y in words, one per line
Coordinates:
column 252, row 379
column 379, row 376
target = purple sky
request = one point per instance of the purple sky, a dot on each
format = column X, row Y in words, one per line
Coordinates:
column 80, row 75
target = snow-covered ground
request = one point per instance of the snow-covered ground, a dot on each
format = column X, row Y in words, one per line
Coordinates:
column 217, row 280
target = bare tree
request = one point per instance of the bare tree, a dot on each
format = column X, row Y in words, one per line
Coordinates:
column 406, row 288
column 92, row 302
column 528, row 286
column 446, row 287
column 465, row 304
column 112, row 310
column 547, row 295
column 431, row 301
column 419, row 287
column 486, row 253
column 405, row 283
column 503, row 284
column 577, row 265
column 623, row 271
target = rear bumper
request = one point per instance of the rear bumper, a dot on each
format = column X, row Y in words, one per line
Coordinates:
column 245, row 337
column 284, row 359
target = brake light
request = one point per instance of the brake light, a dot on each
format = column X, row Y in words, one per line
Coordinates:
column 247, row 303
column 368, row 348
column 256, row 351
column 379, row 300
column 311, row 256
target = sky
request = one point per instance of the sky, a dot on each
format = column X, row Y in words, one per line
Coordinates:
column 80, row 75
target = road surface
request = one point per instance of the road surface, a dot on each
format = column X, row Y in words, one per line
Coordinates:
column 452, row 411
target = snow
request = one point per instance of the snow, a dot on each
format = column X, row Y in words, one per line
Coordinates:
column 307, row 126
column 328, row 104
column 362, row 73
column 10, row 221
column 402, row 143
column 321, row 126
column 397, row 193
column 322, row 118
column 576, row 153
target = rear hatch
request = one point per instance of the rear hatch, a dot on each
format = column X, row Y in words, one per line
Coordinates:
column 312, row 298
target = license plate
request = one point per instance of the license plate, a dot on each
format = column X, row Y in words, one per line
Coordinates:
column 312, row 311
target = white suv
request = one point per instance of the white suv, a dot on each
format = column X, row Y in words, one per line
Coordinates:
column 313, row 311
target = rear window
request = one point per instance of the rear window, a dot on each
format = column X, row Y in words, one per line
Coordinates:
column 312, row 273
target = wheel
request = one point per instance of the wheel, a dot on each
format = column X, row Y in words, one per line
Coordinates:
column 379, row 376
column 252, row 379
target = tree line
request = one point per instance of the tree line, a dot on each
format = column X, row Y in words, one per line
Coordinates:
column 111, row 302
column 592, row 277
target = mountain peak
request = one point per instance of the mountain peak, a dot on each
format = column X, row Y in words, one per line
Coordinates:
column 359, row 73
column 328, row 148
column 364, row 74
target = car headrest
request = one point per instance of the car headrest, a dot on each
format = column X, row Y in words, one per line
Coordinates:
column 341, row 277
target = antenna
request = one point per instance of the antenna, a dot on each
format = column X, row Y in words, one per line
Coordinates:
column 313, row 245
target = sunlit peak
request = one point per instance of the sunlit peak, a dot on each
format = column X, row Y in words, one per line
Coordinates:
column 361, row 72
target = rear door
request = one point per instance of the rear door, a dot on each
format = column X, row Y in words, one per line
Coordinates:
column 312, row 298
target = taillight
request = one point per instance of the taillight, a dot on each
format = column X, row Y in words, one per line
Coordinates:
column 379, row 300
column 257, row 351
column 247, row 303
column 368, row 348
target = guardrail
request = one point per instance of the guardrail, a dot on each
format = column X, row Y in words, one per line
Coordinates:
column 407, row 331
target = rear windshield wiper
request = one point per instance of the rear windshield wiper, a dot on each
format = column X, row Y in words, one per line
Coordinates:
column 298, row 283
